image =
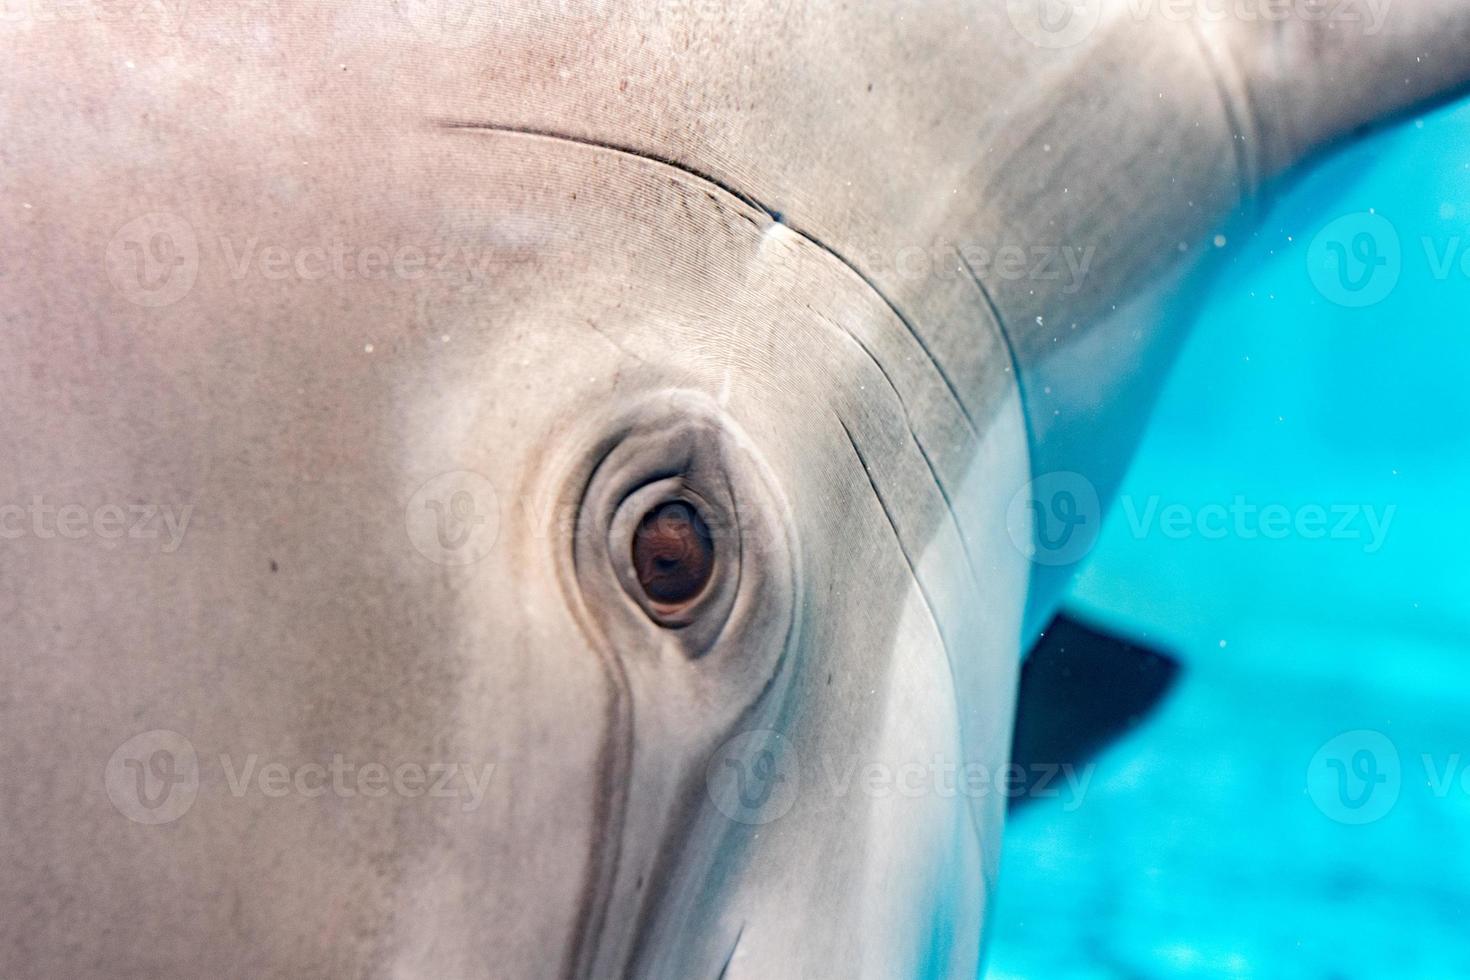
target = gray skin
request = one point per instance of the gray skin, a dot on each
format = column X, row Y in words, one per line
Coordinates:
column 709, row 251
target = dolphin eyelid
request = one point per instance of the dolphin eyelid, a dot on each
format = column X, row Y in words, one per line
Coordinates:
column 679, row 455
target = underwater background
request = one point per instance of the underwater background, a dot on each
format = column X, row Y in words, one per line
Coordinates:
column 1300, row 804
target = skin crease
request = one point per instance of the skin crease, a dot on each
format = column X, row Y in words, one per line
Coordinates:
column 670, row 252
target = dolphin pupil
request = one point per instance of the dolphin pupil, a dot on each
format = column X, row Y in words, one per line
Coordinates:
column 672, row 553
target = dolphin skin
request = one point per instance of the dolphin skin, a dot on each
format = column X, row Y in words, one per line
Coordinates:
column 562, row 489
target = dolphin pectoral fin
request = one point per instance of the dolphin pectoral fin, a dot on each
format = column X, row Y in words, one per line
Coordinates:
column 1080, row 689
column 1312, row 82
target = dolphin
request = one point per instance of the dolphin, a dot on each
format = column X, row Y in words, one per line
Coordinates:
column 563, row 488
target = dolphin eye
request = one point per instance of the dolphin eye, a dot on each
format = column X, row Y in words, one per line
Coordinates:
column 682, row 542
column 673, row 553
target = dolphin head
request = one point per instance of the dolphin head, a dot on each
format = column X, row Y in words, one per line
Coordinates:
column 487, row 504
column 583, row 578
column 751, row 584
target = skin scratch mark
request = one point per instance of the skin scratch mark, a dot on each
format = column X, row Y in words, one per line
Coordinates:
column 918, row 444
column 893, row 526
column 924, row 595
column 1006, row 340
column 773, row 215
column 724, row 970
column 614, row 341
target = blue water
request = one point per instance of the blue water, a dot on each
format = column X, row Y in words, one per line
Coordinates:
column 1241, row 833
